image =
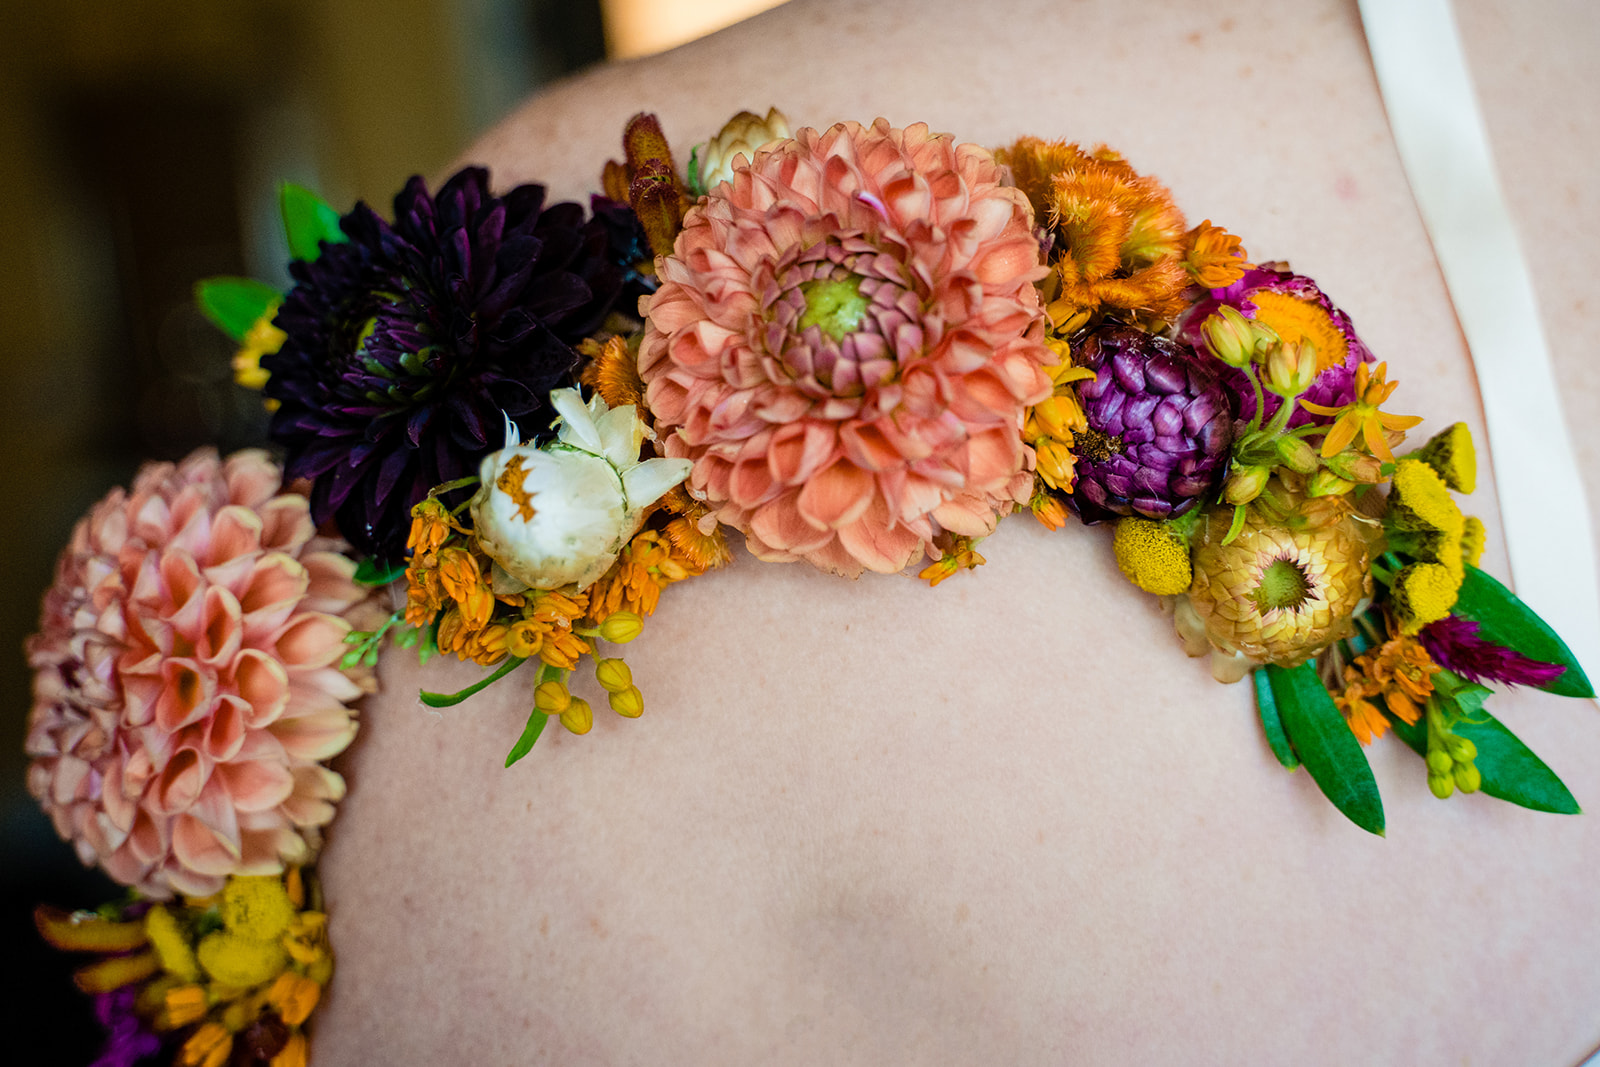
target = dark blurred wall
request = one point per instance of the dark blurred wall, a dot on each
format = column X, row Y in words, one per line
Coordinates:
column 141, row 142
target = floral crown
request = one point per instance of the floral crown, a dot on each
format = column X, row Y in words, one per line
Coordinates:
column 858, row 348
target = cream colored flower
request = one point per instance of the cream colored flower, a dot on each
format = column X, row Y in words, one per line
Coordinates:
column 557, row 515
column 712, row 162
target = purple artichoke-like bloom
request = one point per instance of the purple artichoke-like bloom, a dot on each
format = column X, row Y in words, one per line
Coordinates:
column 1298, row 310
column 1159, row 427
column 128, row 1039
column 1455, row 644
column 406, row 343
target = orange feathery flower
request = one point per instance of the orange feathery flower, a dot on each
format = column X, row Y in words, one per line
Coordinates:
column 1215, row 258
column 613, row 372
column 1119, row 238
column 1362, row 416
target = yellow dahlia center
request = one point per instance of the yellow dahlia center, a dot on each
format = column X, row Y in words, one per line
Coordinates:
column 834, row 305
column 1283, row 585
column 1297, row 320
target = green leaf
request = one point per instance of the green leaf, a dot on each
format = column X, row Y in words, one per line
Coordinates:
column 530, row 734
column 1325, row 744
column 308, row 220
column 1510, row 770
column 445, row 700
column 1505, row 620
column 374, row 572
column 1271, row 721
column 234, row 304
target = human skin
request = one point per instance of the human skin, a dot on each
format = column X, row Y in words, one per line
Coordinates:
column 1004, row 820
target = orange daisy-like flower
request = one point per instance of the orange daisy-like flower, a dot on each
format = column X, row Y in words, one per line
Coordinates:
column 1119, row 240
column 844, row 343
column 1215, row 258
column 1361, row 415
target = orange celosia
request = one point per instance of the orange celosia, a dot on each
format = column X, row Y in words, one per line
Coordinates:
column 613, row 372
column 1362, row 416
column 1119, row 238
column 1214, row 257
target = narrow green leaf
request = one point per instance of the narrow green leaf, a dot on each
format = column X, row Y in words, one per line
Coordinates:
column 530, row 734
column 445, row 700
column 1325, row 744
column 375, row 572
column 1505, row 620
column 1510, row 770
column 234, row 304
column 1271, row 722
column 308, row 220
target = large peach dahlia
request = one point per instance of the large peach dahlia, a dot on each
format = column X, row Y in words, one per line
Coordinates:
column 186, row 681
column 844, row 342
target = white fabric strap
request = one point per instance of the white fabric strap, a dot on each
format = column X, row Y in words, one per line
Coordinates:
column 1444, row 146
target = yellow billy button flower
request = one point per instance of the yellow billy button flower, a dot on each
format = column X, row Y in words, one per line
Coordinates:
column 1362, row 415
column 256, row 907
column 1423, row 593
column 1152, row 556
column 1451, row 454
column 168, row 939
column 241, row 962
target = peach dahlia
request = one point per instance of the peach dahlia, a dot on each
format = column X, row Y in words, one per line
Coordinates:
column 844, row 343
column 186, row 681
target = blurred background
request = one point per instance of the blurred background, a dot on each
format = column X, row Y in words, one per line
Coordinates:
column 141, row 145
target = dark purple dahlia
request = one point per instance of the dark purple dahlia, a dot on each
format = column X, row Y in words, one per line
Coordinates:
column 1159, row 427
column 408, row 341
column 1298, row 310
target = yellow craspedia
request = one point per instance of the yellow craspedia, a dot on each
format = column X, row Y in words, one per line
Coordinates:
column 1423, row 500
column 171, row 946
column 1451, row 454
column 256, row 907
column 1473, row 538
column 242, row 962
column 1152, row 557
column 1423, row 593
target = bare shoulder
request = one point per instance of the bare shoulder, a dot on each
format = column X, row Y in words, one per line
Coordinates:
column 1003, row 820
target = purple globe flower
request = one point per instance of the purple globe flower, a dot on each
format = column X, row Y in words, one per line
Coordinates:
column 1159, row 427
column 407, row 342
column 1298, row 310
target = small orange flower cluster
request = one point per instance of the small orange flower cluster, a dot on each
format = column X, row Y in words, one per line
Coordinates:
column 1050, row 424
column 1401, row 672
column 1119, row 242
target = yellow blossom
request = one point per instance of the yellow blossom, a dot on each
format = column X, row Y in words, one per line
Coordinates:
column 1423, row 593
column 293, row 997
column 262, row 339
column 168, row 939
column 1451, row 454
column 1362, row 415
column 256, row 907
column 241, row 962
column 1152, row 556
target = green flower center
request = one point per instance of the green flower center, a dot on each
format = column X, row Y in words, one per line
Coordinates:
column 834, row 305
column 1283, row 585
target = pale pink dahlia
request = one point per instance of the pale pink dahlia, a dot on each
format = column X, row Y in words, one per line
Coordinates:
column 186, row 679
column 844, row 342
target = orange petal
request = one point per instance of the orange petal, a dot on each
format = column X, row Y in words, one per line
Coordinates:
column 837, row 496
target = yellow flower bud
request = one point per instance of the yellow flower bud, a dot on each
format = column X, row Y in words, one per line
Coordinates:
column 620, row 627
column 1230, row 336
column 208, row 1046
column 613, row 675
column 1461, row 750
column 1245, row 484
column 1468, row 778
column 1355, row 466
column 1439, row 761
column 1327, row 483
column 552, row 697
column 1055, row 464
column 1296, row 455
column 578, row 717
column 628, row 702
column 1291, row 368
column 1442, row 785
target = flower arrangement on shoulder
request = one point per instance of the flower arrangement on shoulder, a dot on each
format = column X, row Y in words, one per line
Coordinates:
column 860, row 348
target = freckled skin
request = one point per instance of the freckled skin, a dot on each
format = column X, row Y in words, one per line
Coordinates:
column 1004, row 820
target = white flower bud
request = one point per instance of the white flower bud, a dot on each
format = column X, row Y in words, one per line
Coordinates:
column 741, row 135
column 558, row 515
